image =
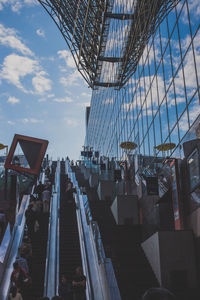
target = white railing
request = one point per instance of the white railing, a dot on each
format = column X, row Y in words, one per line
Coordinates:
column 51, row 281
column 12, row 251
column 101, row 281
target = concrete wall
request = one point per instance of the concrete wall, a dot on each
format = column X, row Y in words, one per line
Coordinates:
column 152, row 252
column 177, row 253
column 106, row 189
column 172, row 252
column 125, row 207
column 194, row 222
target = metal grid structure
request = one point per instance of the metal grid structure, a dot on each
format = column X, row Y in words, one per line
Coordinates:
column 84, row 28
column 147, row 16
column 160, row 103
column 87, row 26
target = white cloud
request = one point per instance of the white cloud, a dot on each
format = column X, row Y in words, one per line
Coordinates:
column 50, row 96
column 16, row 67
column 16, row 5
column 86, row 94
column 68, row 58
column 13, row 100
column 71, row 122
column 41, row 83
column 193, row 114
column 63, row 100
column 11, row 122
column 9, row 38
column 31, row 120
column 42, row 100
column 72, row 80
column 40, row 32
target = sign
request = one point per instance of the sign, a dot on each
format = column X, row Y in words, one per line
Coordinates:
column 33, row 151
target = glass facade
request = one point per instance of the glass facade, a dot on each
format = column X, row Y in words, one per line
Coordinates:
column 161, row 101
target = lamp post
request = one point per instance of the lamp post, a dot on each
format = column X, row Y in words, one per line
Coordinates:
column 127, row 146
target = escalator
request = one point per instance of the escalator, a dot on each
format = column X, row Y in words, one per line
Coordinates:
column 39, row 246
column 70, row 254
column 122, row 243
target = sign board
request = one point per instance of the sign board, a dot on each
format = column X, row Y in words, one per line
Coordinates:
column 33, row 151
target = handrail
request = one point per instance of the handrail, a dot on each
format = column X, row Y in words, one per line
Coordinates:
column 89, row 292
column 52, row 258
column 85, row 263
column 104, row 284
column 12, row 250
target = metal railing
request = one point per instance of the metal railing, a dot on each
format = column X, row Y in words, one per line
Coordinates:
column 12, row 251
column 102, row 279
column 51, row 281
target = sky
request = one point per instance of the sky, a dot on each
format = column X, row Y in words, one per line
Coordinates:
column 41, row 93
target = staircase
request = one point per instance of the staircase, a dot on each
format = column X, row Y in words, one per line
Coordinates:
column 70, row 255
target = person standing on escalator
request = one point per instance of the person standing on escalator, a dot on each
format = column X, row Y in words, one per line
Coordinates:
column 65, row 288
column 79, row 285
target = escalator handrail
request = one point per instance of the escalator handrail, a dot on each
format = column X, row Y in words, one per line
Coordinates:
column 12, row 251
column 89, row 291
column 52, row 257
column 85, row 263
column 111, row 286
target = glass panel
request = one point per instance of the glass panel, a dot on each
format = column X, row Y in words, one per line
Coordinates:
column 193, row 166
column 164, row 123
column 171, row 107
column 194, row 9
column 183, row 124
column 193, row 109
column 175, row 50
column 190, row 74
column 196, row 42
column 180, row 92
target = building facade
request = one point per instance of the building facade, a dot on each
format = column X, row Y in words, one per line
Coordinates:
column 160, row 102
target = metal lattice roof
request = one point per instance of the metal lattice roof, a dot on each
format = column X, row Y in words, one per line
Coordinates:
column 88, row 25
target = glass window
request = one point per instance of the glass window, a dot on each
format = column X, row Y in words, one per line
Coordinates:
column 183, row 124
column 196, row 42
column 193, row 166
column 194, row 8
column 157, row 130
column 175, row 50
column 190, row 74
column 193, row 109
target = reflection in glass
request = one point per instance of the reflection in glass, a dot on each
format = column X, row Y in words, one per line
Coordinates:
column 193, row 166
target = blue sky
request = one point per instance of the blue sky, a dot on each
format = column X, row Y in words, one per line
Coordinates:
column 41, row 92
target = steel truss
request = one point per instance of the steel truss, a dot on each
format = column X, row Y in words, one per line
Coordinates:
column 148, row 14
column 84, row 28
column 84, row 25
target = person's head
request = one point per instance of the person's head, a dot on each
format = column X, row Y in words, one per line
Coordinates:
column 15, row 265
column 44, row 298
column 56, row 298
column 79, row 271
column 158, row 294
